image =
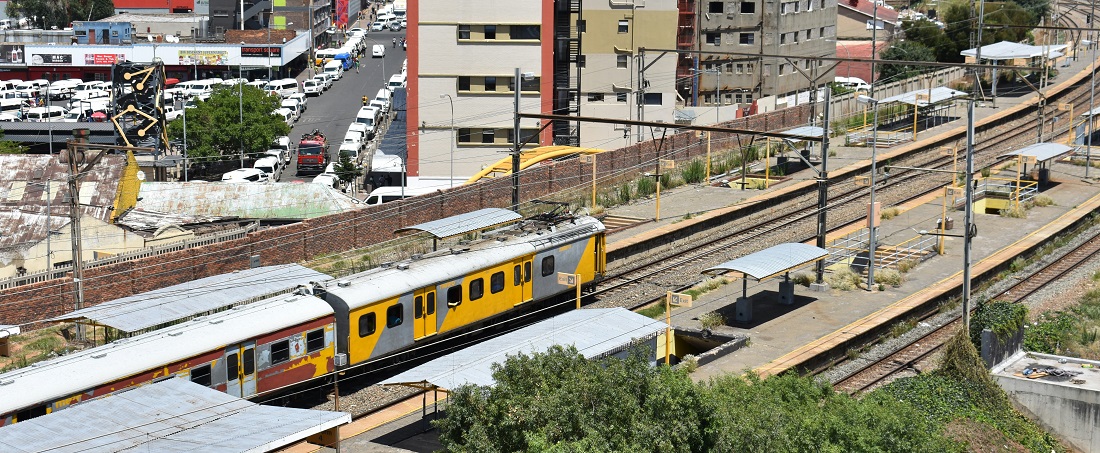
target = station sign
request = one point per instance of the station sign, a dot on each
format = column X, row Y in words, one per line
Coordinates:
column 588, row 158
column 679, row 299
column 567, row 279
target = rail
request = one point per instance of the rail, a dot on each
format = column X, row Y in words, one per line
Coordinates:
column 61, row 271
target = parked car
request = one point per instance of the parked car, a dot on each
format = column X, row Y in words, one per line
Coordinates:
column 325, row 80
column 271, row 166
column 313, row 87
column 171, row 113
column 378, row 26
column 282, row 154
column 294, row 106
column 302, row 99
column 244, row 175
column 286, row 115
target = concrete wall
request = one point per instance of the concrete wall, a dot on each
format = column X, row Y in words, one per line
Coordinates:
column 853, row 25
column 357, row 229
column 1071, row 413
column 96, row 236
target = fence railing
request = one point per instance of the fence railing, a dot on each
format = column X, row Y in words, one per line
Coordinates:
column 844, row 105
column 61, row 271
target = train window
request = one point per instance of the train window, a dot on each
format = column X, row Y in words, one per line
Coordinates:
column 418, row 307
column 527, row 272
column 394, row 314
column 280, row 351
column 249, row 361
column 477, row 289
column 315, row 340
column 496, row 283
column 431, row 303
column 201, row 375
column 366, row 325
column 548, row 266
column 232, row 367
column 28, row 414
column 517, row 277
column 454, row 296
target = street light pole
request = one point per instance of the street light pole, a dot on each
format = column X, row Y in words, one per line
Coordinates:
column 968, row 216
column 240, row 106
column 872, row 213
column 450, row 100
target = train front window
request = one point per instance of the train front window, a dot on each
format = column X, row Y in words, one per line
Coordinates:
column 280, row 351
column 315, row 340
column 201, row 375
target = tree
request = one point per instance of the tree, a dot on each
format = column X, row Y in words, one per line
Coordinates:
column 930, row 35
column 346, row 169
column 10, row 147
column 905, row 51
column 214, row 128
column 60, row 13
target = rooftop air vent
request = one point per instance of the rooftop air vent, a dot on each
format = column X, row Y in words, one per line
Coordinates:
column 387, row 265
column 417, row 256
column 403, row 266
column 343, row 283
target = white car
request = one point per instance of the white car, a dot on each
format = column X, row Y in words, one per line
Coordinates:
column 378, row 26
column 257, row 83
column 271, row 166
column 313, row 87
column 243, row 175
column 324, row 80
column 286, row 115
column 378, row 50
column 357, row 32
column 353, row 138
column 302, row 99
column 351, row 149
column 282, row 154
column 328, row 179
column 331, row 78
column 233, row 82
column 294, row 106
column 8, row 117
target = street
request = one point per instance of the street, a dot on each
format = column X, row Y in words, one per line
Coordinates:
column 335, row 109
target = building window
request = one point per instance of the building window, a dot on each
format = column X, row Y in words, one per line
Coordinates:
column 530, row 85
column 821, row 32
column 280, row 351
column 548, row 266
column 806, row 64
column 490, row 83
column 582, row 61
column 201, row 375
column 595, row 97
column 740, row 68
column 714, row 39
column 653, row 99
column 465, row 135
column 748, row 7
column 620, row 97
column 621, row 61
column 488, row 136
column 715, row 7
column 463, row 83
column 490, row 32
column 809, row 34
column 782, row 69
column 496, row 282
column 477, row 288
column 749, row 68
column 463, row 32
column 624, row 26
column 523, row 32
column 782, row 38
column 315, row 340
column 366, row 325
column 395, row 315
column 747, row 38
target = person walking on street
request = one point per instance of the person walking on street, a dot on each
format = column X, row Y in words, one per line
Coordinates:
column 394, row 43
column 357, row 65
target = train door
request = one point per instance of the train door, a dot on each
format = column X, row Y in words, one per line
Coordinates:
column 240, row 370
column 424, row 305
column 521, row 271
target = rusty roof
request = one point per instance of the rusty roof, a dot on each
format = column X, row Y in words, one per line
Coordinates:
column 22, row 230
column 245, row 200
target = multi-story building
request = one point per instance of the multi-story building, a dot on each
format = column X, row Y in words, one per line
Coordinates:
column 793, row 28
column 577, row 59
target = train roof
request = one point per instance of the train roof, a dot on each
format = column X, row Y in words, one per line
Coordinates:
column 90, row 368
column 498, row 246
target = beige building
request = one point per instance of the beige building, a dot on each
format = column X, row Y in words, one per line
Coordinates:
column 578, row 58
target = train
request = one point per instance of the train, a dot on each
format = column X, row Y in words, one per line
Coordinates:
column 280, row 342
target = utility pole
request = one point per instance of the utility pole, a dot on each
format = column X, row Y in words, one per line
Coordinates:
column 874, row 46
column 515, row 144
column 1092, row 87
column 968, row 216
column 74, row 224
column 823, row 189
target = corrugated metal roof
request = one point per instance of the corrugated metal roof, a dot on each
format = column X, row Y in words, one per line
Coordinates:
column 464, row 223
column 594, row 332
column 809, row 131
column 168, row 416
column 88, row 368
column 1041, row 151
column 772, row 260
column 23, row 200
column 172, row 303
column 938, row 94
column 249, row 201
column 1093, row 112
column 1006, row 50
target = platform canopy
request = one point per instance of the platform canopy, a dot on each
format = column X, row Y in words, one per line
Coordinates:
column 182, row 301
column 173, row 415
column 1041, row 151
column 1006, row 50
column 1093, row 112
column 808, row 131
column 464, row 223
column 771, row 261
column 923, row 97
column 596, row 333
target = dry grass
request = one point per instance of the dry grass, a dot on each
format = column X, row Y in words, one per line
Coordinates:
column 1015, row 211
column 889, row 277
column 1042, row 201
column 890, row 213
column 845, row 280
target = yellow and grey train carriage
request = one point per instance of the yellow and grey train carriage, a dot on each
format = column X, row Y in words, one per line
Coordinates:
column 389, row 309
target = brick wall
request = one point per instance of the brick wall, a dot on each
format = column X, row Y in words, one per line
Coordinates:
column 357, row 229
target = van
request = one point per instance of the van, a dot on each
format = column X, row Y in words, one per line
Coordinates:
column 393, row 193
column 295, row 106
column 42, row 114
column 397, row 81
column 378, row 50
column 384, row 96
column 241, row 175
column 12, row 107
column 368, row 116
column 324, row 55
column 282, row 87
column 336, row 68
column 287, row 115
column 271, row 166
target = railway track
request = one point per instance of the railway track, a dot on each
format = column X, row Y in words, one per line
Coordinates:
column 913, row 355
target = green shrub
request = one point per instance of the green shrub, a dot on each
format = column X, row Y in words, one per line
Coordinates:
column 803, row 279
column 645, row 187
column 625, row 193
column 710, row 320
column 986, row 171
column 1003, row 318
column 694, row 172
column 904, row 266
